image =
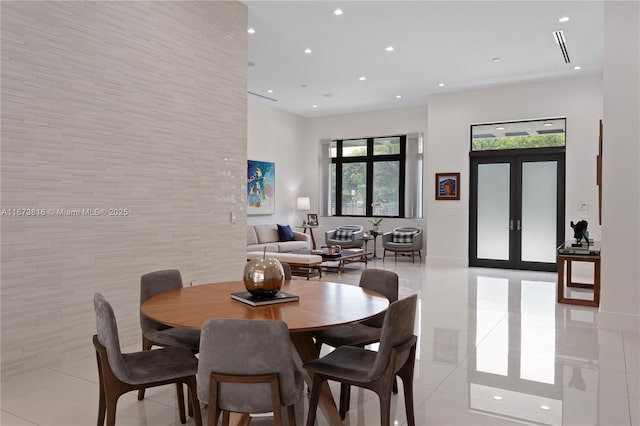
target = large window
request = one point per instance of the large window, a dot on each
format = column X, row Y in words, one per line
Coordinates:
column 367, row 177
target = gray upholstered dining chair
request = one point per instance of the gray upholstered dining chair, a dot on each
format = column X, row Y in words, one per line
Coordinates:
column 353, row 366
column 120, row 373
column 404, row 240
column 368, row 331
column 361, row 333
column 253, row 374
column 154, row 333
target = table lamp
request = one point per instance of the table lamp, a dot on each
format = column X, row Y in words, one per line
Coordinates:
column 304, row 203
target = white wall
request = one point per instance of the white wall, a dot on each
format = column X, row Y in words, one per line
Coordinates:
column 279, row 137
column 448, row 141
column 130, row 105
column 620, row 301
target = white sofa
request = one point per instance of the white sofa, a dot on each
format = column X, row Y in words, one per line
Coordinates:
column 266, row 236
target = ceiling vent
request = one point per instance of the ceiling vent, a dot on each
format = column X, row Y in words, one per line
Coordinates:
column 559, row 36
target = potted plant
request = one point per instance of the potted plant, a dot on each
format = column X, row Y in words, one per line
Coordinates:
column 376, row 223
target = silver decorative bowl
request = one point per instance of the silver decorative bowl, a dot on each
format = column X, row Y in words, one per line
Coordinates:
column 263, row 277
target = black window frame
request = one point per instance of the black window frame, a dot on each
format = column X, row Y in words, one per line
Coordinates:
column 370, row 159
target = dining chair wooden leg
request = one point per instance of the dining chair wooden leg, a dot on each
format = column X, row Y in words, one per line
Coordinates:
column 406, row 374
column 146, row 346
column 111, row 401
column 291, row 415
column 314, row 399
column 385, row 406
column 194, row 403
column 345, row 399
column 102, row 407
column 214, row 411
column 180, row 395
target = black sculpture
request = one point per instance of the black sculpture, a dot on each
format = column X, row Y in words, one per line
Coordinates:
column 579, row 232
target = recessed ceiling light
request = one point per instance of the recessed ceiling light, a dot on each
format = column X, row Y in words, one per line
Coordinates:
column 307, row 51
column 398, row 96
column 251, row 64
column 499, row 128
column 547, row 124
column 251, row 31
column 440, row 84
column 389, row 48
column 304, row 86
column 577, row 67
column 363, row 78
column 315, row 106
column 545, row 407
column 564, row 19
column 269, row 91
column 497, row 398
column 496, row 59
column 338, row 12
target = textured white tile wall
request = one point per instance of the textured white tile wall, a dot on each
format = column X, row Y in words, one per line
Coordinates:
column 115, row 105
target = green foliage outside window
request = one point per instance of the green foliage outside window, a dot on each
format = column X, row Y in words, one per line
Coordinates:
column 518, row 142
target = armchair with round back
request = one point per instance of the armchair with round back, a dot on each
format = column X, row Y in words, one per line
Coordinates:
column 346, row 236
column 404, row 240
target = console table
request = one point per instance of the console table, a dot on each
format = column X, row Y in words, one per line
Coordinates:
column 567, row 254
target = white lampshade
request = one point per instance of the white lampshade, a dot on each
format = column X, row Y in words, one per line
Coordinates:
column 304, row 203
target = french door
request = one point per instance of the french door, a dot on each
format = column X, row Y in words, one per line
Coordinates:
column 516, row 209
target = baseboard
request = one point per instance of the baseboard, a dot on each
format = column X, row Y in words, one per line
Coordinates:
column 619, row 321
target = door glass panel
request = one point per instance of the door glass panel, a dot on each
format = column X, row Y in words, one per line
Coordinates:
column 539, row 209
column 493, row 211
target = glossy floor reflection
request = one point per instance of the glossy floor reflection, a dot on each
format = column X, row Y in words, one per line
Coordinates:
column 494, row 348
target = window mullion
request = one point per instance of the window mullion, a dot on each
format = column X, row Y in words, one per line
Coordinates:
column 369, row 201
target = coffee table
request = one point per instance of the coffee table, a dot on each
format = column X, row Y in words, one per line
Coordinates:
column 344, row 257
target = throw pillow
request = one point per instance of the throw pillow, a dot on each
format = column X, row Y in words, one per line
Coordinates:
column 285, row 233
column 403, row 237
column 343, row 235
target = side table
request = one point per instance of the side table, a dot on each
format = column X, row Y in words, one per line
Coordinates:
column 366, row 240
column 375, row 240
column 568, row 254
column 310, row 228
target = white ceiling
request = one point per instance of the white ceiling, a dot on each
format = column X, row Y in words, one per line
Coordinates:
column 451, row 42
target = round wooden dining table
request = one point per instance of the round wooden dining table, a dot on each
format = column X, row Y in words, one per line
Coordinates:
column 320, row 305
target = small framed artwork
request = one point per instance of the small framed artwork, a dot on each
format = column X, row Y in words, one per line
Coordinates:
column 312, row 219
column 447, row 186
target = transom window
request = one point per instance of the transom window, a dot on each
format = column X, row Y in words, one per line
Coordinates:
column 519, row 134
column 367, row 176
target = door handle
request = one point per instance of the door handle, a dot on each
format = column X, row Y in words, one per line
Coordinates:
column 518, row 225
column 511, row 225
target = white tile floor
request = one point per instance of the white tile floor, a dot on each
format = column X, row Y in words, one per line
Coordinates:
column 494, row 349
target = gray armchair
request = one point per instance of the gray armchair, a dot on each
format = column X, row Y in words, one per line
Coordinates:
column 404, row 240
column 346, row 236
